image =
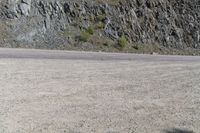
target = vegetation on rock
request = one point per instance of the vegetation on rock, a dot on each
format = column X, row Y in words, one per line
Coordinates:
column 172, row 25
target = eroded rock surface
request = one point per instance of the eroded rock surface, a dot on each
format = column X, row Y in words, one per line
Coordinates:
column 57, row 24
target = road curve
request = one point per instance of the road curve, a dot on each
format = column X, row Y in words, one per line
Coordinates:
column 48, row 91
column 80, row 55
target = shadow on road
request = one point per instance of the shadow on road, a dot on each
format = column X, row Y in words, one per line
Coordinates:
column 175, row 130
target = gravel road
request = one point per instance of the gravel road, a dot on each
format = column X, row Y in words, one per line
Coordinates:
column 85, row 92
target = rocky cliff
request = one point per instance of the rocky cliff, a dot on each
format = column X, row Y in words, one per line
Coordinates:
column 164, row 26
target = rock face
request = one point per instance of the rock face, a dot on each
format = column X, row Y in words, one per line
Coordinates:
column 60, row 24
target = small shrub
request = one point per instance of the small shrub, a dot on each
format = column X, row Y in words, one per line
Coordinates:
column 100, row 25
column 90, row 30
column 92, row 18
column 122, row 42
column 84, row 36
column 101, row 41
column 101, row 18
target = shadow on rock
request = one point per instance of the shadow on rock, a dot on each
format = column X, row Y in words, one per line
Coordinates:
column 175, row 130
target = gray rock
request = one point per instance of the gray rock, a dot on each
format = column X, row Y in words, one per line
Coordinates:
column 171, row 24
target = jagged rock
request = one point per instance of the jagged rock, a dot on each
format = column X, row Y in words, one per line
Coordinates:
column 169, row 23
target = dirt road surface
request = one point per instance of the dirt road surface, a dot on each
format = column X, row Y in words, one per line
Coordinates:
column 85, row 92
